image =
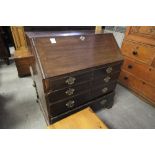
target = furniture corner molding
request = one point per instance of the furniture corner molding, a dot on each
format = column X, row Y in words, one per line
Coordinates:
column 19, row 36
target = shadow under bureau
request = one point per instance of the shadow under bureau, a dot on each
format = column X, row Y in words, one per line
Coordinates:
column 74, row 71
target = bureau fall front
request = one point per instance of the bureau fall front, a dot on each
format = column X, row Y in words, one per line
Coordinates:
column 74, row 71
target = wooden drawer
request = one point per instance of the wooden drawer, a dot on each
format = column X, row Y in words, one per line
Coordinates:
column 141, row 87
column 105, row 80
column 77, row 78
column 69, row 104
column 67, row 81
column 68, row 92
column 147, row 30
column 105, row 101
column 103, row 89
column 141, row 70
column 101, row 72
column 140, row 52
column 144, row 31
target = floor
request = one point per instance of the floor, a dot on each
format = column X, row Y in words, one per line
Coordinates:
column 18, row 108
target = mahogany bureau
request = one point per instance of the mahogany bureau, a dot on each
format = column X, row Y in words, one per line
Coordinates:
column 138, row 70
column 74, row 71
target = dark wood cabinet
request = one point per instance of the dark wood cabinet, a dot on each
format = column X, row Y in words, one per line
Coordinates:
column 73, row 71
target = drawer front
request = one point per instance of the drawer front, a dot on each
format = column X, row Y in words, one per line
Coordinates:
column 68, row 92
column 142, row 71
column 103, row 89
column 110, row 69
column 69, row 104
column 105, row 101
column 141, row 87
column 143, row 53
column 145, row 31
column 105, row 80
column 68, row 81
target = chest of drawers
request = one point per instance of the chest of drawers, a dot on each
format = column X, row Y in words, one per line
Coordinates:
column 138, row 70
column 74, row 71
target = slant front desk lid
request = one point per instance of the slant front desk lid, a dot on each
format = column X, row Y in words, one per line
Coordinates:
column 61, row 55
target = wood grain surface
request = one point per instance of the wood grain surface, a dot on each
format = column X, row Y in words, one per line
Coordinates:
column 138, row 70
column 70, row 54
column 71, row 62
column 141, row 52
column 141, row 87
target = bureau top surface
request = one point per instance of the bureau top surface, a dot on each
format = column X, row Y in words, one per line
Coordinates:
column 60, row 55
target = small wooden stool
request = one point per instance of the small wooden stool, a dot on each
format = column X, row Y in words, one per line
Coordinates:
column 85, row 119
column 23, row 59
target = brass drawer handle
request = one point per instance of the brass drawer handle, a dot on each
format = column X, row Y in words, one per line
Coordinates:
column 70, row 80
column 104, row 90
column 70, row 91
column 103, row 102
column 135, row 53
column 109, row 70
column 70, row 104
column 107, row 79
column 82, row 38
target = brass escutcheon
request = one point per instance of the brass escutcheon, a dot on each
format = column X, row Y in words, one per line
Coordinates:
column 70, row 80
column 104, row 90
column 109, row 70
column 107, row 79
column 70, row 91
column 70, row 104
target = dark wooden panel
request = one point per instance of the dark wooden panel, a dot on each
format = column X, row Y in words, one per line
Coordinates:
column 103, row 89
column 67, row 81
column 105, row 79
column 69, row 104
column 68, row 92
column 57, row 28
column 105, row 101
column 110, row 69
column 70, row 54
